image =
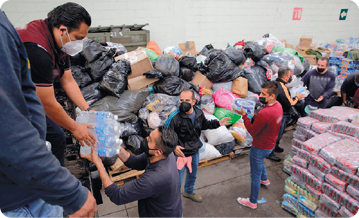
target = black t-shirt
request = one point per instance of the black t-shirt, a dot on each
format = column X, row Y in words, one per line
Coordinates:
column 348, row 86
column 42, row 72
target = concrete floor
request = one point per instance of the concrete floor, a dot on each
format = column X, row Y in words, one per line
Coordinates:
column 220, row 185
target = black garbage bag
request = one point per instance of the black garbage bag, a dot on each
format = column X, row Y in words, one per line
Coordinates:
column 253, row 81
column 188, row 62
column 153, row 64
column 254, row 51
column 129, row 104
column 186, row 74
column 109, row 161
column 220, row 68
column 133, row 143
column 105, row 104
column 226, row 148
column 92, row 50
column 100, row 66
column 260, row 74
column 153, row 74
column 236, row 55
column 205, row 49
column 129, row 129
column 171, row 85
column 91, row 93
column 81, row 76
column 115, row 82
column 78, row 60
column 168, row 65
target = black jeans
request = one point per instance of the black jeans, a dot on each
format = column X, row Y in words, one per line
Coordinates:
column 56, row 136
column 283, row 125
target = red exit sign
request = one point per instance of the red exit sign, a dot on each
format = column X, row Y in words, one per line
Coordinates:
column 297, row 13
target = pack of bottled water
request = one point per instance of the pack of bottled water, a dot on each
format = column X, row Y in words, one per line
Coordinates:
column 107, row 132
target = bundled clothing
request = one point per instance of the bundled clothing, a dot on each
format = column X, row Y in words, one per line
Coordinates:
column 318, row 85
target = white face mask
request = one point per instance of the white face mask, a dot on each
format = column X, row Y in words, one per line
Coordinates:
column 73, row 47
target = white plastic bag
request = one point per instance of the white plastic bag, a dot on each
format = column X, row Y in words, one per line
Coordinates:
column 219, row 135
column 208, row 151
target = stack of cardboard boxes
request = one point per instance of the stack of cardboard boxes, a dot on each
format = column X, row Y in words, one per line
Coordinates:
column 305, row 42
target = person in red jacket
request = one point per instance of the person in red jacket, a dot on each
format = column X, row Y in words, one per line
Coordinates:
column 264, row 130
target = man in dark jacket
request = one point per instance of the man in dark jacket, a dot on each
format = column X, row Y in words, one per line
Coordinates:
column 349, row 87
column 320, row 83
column 157, row 190
column 32, row 182
column 284, row 77
column 48, row 44
column 188, row 121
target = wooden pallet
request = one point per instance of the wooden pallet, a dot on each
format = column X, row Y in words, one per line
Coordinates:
column 119, row 178
column 211, row 161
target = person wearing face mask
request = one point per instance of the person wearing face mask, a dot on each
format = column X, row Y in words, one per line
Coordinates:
column 157, row 190
column 349, row 87
column 48, row 44
column 264, row 130
column 188, row 121
column 320, row 83
column 284, row 77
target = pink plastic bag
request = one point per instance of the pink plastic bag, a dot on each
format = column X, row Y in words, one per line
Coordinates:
column 223, row 98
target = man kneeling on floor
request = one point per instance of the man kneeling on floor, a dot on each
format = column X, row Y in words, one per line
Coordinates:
column 264, row 130
column 157, row 190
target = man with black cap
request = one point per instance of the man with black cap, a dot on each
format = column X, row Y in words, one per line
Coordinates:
column 188, row 121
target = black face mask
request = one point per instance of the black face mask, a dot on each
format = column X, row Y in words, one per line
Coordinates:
column 144, row 148
column 262, row 100
column 320, row 70
column 185, row 107
column 290, row 79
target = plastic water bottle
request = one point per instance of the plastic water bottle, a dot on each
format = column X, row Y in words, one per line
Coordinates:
column 107, row 132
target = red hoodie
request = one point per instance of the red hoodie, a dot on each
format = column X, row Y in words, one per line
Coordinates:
column 265, row 127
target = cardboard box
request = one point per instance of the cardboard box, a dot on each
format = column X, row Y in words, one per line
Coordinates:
column 201, row 80
column 240, row 87
column 140, row 63
column 312, row 59
column 188, row 47
column 305, row 41
column 286, row 44
column 140, row 82
column 301, row 49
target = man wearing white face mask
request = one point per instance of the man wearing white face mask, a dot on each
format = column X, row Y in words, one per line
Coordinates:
column 48, row 43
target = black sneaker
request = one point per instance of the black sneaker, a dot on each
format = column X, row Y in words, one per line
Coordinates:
column 273, row 157
column 278, row 149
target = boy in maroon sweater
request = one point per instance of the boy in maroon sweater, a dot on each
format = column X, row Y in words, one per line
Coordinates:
column 264, row 130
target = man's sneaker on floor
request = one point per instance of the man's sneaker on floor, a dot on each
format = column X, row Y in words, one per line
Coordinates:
column 265, row 182
column 247, row 203
column 273, row 157
column 278, row 149
column 193, row 197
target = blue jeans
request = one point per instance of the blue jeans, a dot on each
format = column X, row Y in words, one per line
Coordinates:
column 190, row 177
column 37, row 208
column 258, row 171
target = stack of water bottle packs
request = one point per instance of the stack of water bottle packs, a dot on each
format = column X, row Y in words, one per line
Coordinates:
column 324, row 165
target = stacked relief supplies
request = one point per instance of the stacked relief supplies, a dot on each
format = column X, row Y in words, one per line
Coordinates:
column 324, row 178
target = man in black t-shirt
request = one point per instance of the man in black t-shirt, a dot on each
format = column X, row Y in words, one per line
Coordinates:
column 349, row 87
column 48, row 43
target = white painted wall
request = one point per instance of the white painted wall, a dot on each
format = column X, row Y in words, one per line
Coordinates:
column 209, row 21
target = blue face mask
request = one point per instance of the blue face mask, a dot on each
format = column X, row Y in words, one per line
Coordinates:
column 357, row 84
